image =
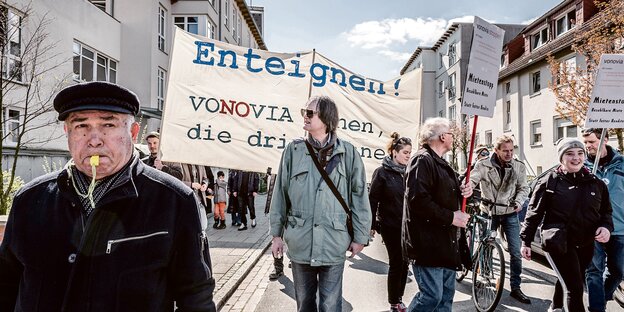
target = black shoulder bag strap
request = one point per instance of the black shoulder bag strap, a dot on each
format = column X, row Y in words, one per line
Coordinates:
column 332, row 187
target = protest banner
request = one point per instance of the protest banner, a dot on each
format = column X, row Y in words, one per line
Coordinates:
column 606, row 103
column 237, row 107
column 479, row 97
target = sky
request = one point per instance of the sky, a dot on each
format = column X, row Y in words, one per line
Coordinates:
column 376, row 38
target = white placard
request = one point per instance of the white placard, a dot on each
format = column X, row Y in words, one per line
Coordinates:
column 479, row 96
column 606, row 104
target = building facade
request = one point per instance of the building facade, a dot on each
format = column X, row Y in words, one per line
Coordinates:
column 121, row 41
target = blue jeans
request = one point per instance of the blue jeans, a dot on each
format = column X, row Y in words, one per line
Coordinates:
column 436, row 288
column 511, row 227
column 611, row 256
column 326, row 279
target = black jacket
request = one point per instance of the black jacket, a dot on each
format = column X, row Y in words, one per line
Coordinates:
column 386, row 194
column 579, row 200
column 141, row 249
column 253, row 183
column 432, row 194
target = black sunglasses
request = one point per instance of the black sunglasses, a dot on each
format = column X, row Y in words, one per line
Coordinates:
column 484, row 153
column 308, row 113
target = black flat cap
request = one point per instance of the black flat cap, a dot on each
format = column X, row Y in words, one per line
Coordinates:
column 96, row 95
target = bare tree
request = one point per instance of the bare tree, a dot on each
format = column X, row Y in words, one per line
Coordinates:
column 28, row 82
column 460, row 145
column 572, row 85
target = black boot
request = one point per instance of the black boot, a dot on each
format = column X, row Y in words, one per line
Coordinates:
column 278, row 264
column 222, row 225
column 216, row 224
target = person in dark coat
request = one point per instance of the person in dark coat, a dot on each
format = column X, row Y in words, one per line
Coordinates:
column 245, row 190
column 153, row 160
column 431, row 218
column 386, row 199
column 107, row 232
column 574, row 204
column 233, row 200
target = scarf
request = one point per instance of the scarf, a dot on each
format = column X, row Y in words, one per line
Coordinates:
column 389, row 164
column 324, row 150
column 102, row 186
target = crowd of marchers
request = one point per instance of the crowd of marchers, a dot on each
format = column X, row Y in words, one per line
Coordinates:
column 116, row 231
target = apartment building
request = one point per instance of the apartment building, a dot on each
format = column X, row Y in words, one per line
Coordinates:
column 525, row 106
column 121, row 41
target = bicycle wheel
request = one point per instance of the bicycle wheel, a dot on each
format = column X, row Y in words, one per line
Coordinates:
column 488, row 277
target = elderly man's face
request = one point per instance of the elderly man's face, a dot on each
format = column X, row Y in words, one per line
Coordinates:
column 107, row 134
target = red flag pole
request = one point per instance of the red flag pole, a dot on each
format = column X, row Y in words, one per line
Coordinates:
column 472, row 139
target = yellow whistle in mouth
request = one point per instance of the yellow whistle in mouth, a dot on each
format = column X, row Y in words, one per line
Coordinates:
column 95, row 160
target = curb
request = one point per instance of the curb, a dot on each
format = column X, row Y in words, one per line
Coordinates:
column 245, row 265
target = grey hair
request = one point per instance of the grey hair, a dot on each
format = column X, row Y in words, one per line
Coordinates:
column 432, row 129
column 327, row 111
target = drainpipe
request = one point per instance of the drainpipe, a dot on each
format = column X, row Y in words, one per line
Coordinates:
column 521, row 145
column 220, row 24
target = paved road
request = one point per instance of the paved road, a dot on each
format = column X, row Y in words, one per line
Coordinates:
column 365, row 287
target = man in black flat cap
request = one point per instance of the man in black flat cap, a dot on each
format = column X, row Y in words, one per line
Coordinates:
column 153, row 160
column 107, row 232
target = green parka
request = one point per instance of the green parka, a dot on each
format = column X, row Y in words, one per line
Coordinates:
column 307, row 214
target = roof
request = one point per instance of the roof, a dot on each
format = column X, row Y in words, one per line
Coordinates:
column 251, row 23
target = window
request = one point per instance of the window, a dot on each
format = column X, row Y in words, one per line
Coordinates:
column 569, row 67
column 441, row 59
column 451, row 113
column 441, row 89
column 539, row 39
column 161, row 88
column 451, row 86
column 12, row 125
column 11, row 31
column 100, row 4
column 507, row 116
column 441, row 113
column 564, row 128
column 536, row 132
column 565, row 23
column 488, row 138
column 502, row 63
column 507, row 87
column 452, row 53
column 91, row 65
column 188, row 23
column 536, row 84
column 234, row 23
column 162, row 27
column 226, row 16
column 211, row 29
column 240, row 29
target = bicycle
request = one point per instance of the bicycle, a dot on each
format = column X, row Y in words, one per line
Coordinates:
column 488, row 277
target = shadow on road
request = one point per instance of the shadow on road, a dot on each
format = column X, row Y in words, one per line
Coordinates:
column 366, row 263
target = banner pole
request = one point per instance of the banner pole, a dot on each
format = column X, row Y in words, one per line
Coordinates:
column 472, row 139
column 597, row 161
column 310, row 86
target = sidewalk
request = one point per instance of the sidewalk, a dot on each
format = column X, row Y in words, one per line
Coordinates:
column 235, row 253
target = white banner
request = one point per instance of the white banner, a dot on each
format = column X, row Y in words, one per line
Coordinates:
column 479, row 96
column 606, row 104
column 236, row 107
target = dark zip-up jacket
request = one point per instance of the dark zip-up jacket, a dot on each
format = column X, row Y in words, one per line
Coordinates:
column 432, row 194
column 386, row 194
column 142, row 248
column 580, row 202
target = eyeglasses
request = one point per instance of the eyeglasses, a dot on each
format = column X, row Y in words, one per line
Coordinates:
column 451, row 133
column 484, row 153
column 308, row 113
column 401, row 141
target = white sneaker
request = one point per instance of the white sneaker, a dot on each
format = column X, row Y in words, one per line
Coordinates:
column 253, row 222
